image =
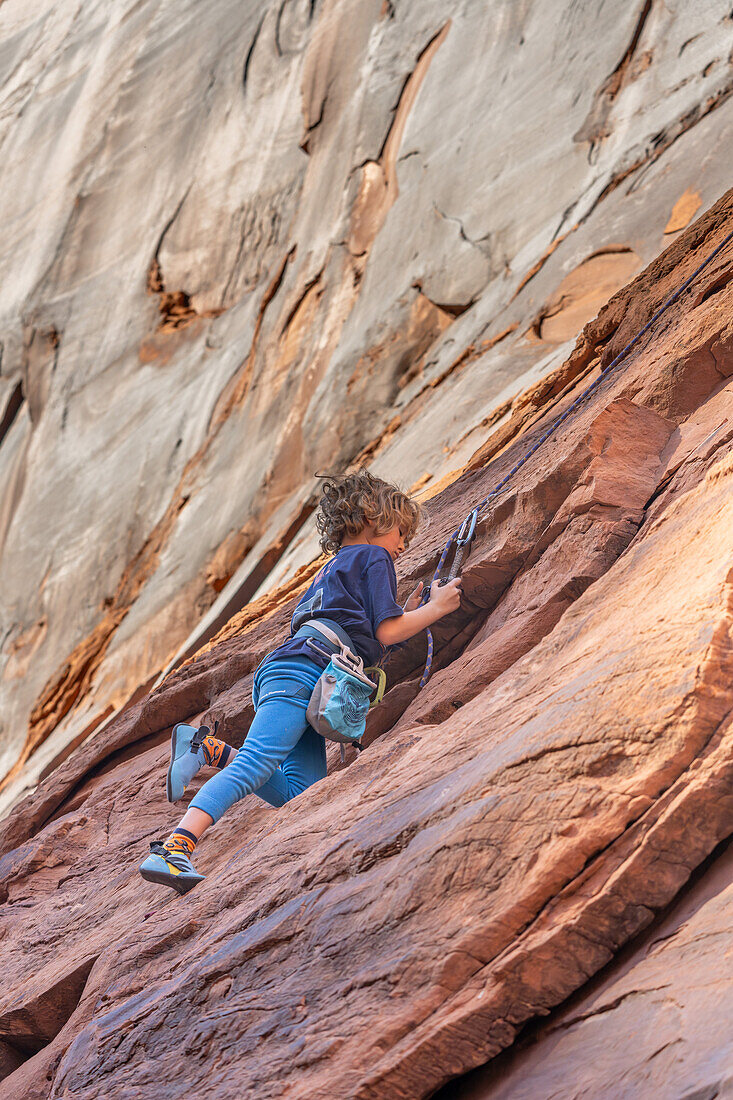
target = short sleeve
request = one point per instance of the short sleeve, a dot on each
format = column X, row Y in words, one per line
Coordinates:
column 381, row 586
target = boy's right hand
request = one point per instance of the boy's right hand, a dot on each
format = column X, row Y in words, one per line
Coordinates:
column 446, row 597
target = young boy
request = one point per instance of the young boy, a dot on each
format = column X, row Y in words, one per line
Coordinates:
column 366, row 523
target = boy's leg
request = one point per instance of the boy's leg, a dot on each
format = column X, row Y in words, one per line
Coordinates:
column 189, row 752
column 305, row 765
column 276, row 729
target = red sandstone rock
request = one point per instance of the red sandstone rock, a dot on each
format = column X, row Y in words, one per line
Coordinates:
column 655, row 1023
column 513, row 826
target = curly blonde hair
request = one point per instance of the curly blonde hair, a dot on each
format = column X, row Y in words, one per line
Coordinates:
column 351, row 501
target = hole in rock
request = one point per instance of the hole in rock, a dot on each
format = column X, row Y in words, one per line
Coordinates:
column 26, row 1030
column 718, row 284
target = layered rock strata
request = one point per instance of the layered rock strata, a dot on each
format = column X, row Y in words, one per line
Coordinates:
column 507, row 831
column 654, row 1024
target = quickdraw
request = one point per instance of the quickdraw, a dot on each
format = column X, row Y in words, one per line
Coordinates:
column 462, row 539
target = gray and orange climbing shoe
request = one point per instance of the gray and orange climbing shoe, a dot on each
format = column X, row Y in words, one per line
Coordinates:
column 168, row 868
column 187, row 756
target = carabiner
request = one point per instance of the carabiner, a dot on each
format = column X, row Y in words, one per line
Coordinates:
column 468, row 528
column 463, row 543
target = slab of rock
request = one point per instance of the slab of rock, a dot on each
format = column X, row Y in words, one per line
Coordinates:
column 656, row 1024
column 250, row 241
column 502, row 839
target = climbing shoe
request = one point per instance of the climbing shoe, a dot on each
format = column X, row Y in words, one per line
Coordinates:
column 172, row 869
column 187, row 756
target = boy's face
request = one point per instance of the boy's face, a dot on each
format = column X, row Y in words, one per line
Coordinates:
column 391, row 540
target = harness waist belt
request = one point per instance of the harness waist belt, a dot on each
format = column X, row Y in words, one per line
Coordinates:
column 312, row 629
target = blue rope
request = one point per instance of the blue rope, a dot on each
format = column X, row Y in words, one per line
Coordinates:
column 553, row 428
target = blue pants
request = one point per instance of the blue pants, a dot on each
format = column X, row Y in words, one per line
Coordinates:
column 282, row 754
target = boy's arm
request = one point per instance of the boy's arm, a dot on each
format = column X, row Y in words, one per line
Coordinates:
column 443, row 600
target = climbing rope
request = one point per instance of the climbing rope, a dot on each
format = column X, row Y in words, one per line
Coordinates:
column 476, row 513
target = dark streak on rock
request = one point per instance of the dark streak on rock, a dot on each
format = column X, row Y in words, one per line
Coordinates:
column 250, row 51
column 11, row 411
column 299, row 301
column 687, row 43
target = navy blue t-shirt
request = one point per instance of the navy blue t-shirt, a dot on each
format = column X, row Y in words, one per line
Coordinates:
column 357, row 589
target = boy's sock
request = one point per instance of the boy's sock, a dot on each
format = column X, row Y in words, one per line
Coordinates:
column 181, row 840
column 216, row 753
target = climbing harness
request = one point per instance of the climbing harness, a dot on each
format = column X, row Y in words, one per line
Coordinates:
column 459, row 537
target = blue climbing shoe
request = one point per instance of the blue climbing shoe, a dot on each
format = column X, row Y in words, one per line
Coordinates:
column 187, row 757
column 172, row 869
